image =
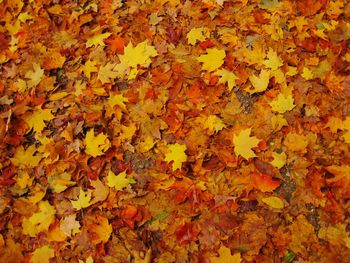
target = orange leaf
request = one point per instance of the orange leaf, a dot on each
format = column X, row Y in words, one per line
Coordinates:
column 264, row 182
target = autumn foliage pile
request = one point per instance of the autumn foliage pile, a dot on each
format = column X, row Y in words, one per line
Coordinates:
column 174, row 131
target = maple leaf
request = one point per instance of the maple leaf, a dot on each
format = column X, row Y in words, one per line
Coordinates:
column 282, row 103
column 264, row 182
column 244, row 143
column 273, row 61
column 119, row 181
column 23, row 158
column 139, row 55
column 259, row 83
column 225, row 256
column 197, row 34
column 214, row 123
column 59, row 182
column 37, row 118
column 83, row 200
column 296, row 142
column 34, row 76
column 118, row 99
column 96, row 145
column 42, row 255
column 279, row 159
column 97, row 40
column 100, row 192
column 177, row 155
column 213, row 59
column 268, row 4
column 107, row 73
column 228, row 77
column 39, row 221
column 89, row 67
column 274, row 202
column 99, row 228
column 69, row 225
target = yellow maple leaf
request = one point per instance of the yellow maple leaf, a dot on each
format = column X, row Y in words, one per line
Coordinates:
column 278, row 121
column 127, row 132
column 39, row 221
column 228, row 77
column 107, row 73
column 335, row 124
column 274, row 202
column 226, row 257
column 259, row 83
column 119, row 181
column 96, row 145
column 214, row 124
column 282, row 103
column 307, row 74
column 34, row 76
column 97, row 40
column 197, row 34
column 42, row 254
column 177, row 155
column 83, row 200
column 118, row 99
column 99, row 228
column 139, row 55
column 88, row 260
column 23, row 158
column 213, row 59
column 244, row 143
column 273, row 61
column 89, row 67
column 60, row 182
column 279, row 159
column 69, row 225
column 335, row 234
column 37, row 118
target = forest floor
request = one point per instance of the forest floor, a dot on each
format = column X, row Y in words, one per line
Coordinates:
column 174, row 131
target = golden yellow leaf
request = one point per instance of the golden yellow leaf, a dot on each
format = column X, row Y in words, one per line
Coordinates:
column 279, row 159
column 42, row 255
column 89, row 67
column 282, row 103
column 213, row 59
column 23, row 158
column 39, row 221
column 274, row 202
column 96, row 145
column 273, row 61
column 37, row 118
column 176, row 154
column 60, row 182
column 278, row 121
column 99, row 228
column 139, row 55
column 83, row 200
column 97, row 40
column 226, row 257
column 107, row 73
column 335, row 124
column 244, row 143
column 34, row 76
column 197, row 34
column 259, row 83
column 228, row 77
column 214, row 124
column 118, row 99
column 307, row 74
column 119, row 181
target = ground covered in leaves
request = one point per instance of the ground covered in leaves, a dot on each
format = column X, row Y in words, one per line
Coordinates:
column 174, row 131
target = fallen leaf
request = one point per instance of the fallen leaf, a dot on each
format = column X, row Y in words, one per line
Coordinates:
column 119, row 181
column 243, row 144
column 213, row 59
column 273, row 202
column 96, row 145
column 177, row 155
column 42, row 255
column 83, row 200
